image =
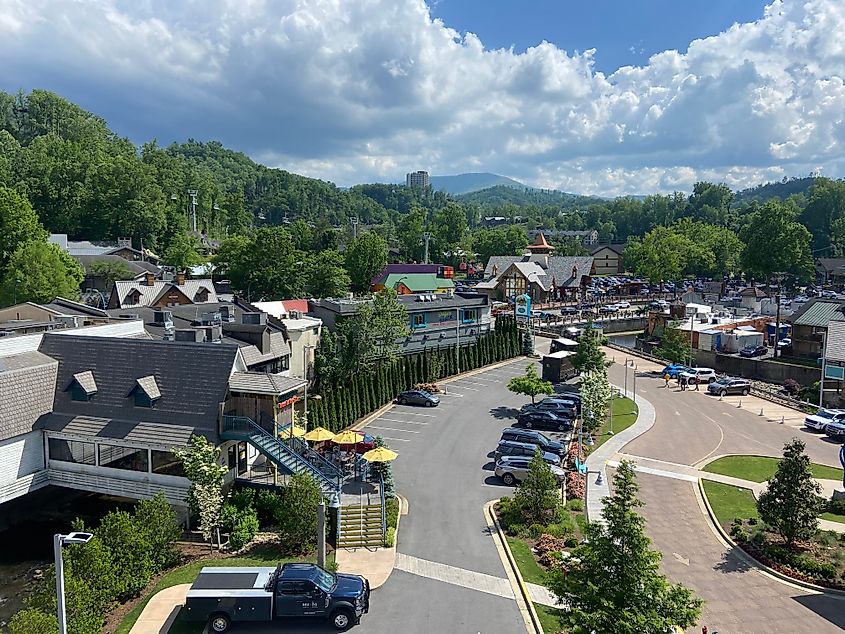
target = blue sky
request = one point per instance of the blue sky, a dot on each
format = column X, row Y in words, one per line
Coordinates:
column 623, row 32
column 627, row 97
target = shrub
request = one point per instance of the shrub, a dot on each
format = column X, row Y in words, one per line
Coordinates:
column 836, row 507
column 130, row 553
column 752, row 521
column 267, row 504
column 517, row 530
column 791, row 386
column 739, row 534
column 555, row 530
column 242, row 498
column 245, row 528
column 32, row 621
column 737, row 521
column 575, row 505
column 570, row 542
column 296, row 516
column 535, row 530
column 390, row 538
column 160, row 524
column 509, row 513
column 391, row 513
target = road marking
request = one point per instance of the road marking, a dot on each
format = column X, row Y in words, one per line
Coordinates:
column 677, row 413
column 471, row 389
column 451, row 394
column 415, row 414
column 479, row 581
column 681, row 559
column 728, row 415
column 396, row 439
column 408, row 422
column 479, row 378
column 404, row 431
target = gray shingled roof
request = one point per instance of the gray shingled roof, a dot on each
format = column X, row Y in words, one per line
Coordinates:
column 560, row 267
column 27, row 384
column 193, row 378
column 149, row 294
column 818, row 312
column 86, row 381
column 149, row 386
column 261, row 383
column 155, row 434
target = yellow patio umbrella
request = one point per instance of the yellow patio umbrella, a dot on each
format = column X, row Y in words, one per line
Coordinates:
column 287, row 431
column 348, row 437
column 380, row 454
column 319, row 434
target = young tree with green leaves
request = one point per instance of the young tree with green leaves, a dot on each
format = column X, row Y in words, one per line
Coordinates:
column 530, row 383
column 366, row 257
column 538, row 496
column 589, row 355
column 110, row 271
column 595, row 398
column 613, row 581
column 39, row 272
column 296, row 516
column 674, row 345
column 181, row 253
column 791, row 504
column 18, row 225
column 205, row 496
column 327, row 276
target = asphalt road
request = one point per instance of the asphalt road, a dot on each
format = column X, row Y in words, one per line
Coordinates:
column 445, row 472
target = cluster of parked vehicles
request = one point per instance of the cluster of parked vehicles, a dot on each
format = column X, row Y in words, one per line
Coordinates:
column 716, row 385
column 518, row 445
column 829, row 421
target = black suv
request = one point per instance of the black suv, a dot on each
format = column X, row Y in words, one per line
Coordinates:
column 544, row 420
column 566, row 408
column 534, row 438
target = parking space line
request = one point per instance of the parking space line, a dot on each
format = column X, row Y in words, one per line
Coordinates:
column 408, row 422
column 471, row 389
column 404, row 431
column 397, row 439
column 415, row 414
column 451, row 394
column 481, row 378
column 463, row 382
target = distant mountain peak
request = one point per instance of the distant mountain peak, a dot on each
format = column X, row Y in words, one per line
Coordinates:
column 472, row 182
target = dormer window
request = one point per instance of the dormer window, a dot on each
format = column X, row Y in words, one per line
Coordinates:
column 83, row 386
column 146, row 391
column 132, row 297
column 201, row 296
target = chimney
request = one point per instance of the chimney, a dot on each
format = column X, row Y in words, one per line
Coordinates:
column 149, row 279
column 180, row 279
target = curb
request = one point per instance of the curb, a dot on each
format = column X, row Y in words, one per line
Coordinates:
column 532, row 623
column 747, row 558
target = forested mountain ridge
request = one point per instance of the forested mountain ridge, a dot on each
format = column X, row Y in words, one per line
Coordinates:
column 458, row 184
column 781, row 189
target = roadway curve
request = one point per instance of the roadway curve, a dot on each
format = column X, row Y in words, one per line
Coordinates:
column 689, row 428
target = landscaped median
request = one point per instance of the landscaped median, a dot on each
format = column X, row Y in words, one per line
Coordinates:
column 811, row 556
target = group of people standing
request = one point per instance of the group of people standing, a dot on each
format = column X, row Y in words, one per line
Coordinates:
column 684, row 381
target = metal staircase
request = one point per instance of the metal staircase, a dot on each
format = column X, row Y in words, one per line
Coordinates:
column 292, row 455
column 361, row 526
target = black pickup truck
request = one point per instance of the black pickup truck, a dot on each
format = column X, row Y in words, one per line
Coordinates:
column 223, row 596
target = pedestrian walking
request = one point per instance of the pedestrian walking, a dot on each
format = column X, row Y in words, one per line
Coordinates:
column 683, row 381
column 666, row 378
column 697, row 382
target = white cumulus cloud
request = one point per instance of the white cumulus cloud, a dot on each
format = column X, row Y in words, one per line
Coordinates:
column 366, row 90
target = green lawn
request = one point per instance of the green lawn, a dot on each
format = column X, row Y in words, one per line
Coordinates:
column 729, row 501
column 833, row 517
column 761, row 468
column 265, row 555
column 625, row 413
column 528, row 567
column 549, row 619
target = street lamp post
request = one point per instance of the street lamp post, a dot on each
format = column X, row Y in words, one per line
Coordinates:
column 60, row 540
column 334, row 504
column 15, row 292
column 458, row 333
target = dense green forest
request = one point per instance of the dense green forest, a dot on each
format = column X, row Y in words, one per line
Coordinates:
column 66, row 168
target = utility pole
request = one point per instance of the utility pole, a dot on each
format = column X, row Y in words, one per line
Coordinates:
column 426, row 237
column 354, row 221
column 777, row 317
column 824, row 369
column 193, row 194
column 691, row 323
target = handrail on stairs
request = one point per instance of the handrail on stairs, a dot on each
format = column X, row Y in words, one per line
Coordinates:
column 301, row 447
column 247, row 425
column 383, row 517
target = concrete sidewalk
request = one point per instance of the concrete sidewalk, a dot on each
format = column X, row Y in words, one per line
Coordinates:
column 161, row 610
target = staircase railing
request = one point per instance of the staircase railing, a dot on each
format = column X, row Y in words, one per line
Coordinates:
column 301, row 447
column 383, row 515
column 245, row 426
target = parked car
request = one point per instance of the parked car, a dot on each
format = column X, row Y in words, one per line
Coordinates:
column 544, row 420
column 784, row 343
column 511, row 448
column 586, row 305
column 512, row 470
column 608, row 310
column 835, row 431
column 566, row 408
column 623, row 305
column 569, row 310
column 821, row 419
column 753, row 351
column 533, row 437
column 726, row 386
column 707, row 375
column 418, row 397
column 674, row 369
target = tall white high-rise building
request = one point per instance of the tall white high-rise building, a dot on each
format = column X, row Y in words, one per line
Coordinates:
column 417, row 179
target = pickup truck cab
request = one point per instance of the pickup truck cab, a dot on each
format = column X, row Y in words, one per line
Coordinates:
column 222, row 596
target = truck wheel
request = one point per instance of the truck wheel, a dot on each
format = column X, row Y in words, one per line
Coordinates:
column 342, row 619
column 219, row 622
